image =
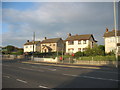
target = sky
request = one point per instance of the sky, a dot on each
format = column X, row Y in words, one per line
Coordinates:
column 53, row 20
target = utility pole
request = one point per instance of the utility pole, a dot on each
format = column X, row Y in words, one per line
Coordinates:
column 116, row 49
column 62, row 54
column 33, row 43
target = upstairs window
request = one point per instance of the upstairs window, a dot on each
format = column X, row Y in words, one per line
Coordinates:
column 79, row 42
column 70, row 42
column 84, row 41
column 26, row 47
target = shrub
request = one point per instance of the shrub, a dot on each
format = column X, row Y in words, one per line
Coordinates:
column 79, row 54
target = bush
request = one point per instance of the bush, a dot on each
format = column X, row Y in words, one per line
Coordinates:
column 48, row 54
column 79, row 54
column 97, row 50
column 98, row 58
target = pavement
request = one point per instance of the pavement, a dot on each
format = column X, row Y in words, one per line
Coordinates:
column 70, row 65
column 26, row 74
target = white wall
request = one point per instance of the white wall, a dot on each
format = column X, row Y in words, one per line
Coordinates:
column 110, row 43
column 29, row 48
column 76, row 46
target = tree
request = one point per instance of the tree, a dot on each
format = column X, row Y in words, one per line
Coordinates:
column 96, row 50
column 10, row 48
column 79, row 54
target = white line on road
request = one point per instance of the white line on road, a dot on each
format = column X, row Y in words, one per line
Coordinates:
column 31, row 69
column 6, row 65
column 92, row 77
column 42, row 86
column 45, row 68
column 6, row 76
column 21, row 80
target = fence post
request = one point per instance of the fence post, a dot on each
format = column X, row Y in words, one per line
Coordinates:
column 69, row 59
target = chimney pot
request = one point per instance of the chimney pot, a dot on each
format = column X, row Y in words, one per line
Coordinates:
column 107, row 30
column 69, row 34
column 45, row 38
column 27, row 40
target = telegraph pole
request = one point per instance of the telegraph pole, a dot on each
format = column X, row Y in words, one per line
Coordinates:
column 116, row 49
column 33, row 43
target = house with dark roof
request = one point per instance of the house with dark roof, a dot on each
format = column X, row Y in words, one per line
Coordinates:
column 110, row 40
column 52, row 45
column 28, row 46
column 75, row 43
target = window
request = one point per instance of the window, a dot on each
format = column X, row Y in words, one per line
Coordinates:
column 70, row 42
column 53, row 44
column 70, row 49
column 84, row 49
column 79, row 42
column 26, row 47
column 79, row 49
column 84, row 42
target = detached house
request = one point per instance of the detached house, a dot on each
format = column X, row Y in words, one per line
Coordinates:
column 52, row 45
column 28, row 46
column 110, row 43
column 77, row 43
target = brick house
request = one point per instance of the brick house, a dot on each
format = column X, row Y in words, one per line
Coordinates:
column 52, row 45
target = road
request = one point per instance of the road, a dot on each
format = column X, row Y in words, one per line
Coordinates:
column 24, row 75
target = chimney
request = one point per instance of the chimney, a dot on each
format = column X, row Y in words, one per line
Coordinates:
column 45, row 38
column 27, row 40
column 107, row 30
column 69, row 34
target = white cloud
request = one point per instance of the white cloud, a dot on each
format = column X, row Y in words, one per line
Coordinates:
column 56, row 20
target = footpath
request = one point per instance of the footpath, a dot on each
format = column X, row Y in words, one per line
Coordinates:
column 70, row 65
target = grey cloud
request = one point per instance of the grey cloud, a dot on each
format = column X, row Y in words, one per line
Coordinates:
column 56, row 20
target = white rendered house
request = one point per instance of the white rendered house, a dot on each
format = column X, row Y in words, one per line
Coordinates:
column 77, row 43
column 28, row 46
column 110, row 40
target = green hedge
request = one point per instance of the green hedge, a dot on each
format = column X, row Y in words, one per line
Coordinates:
column 98, row 58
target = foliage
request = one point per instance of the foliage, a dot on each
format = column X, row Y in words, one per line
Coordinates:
column 110, row 53
column 12, row 50
column 79, row 54
column 96, row 50
column 47, row 54
column 98, row 58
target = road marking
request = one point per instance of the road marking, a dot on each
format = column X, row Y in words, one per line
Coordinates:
column 7, row 76
column 45, row 68
column 108, row 72
column 6, row 65
column 31, row 69
column 42, row 86
column 21, row 80
column 92, row 77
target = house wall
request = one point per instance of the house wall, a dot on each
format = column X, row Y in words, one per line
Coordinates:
column 29, row 48
column 110, row 43
column 83, row 46
column 75, row 46
column 60, row 45
column 51, row 45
